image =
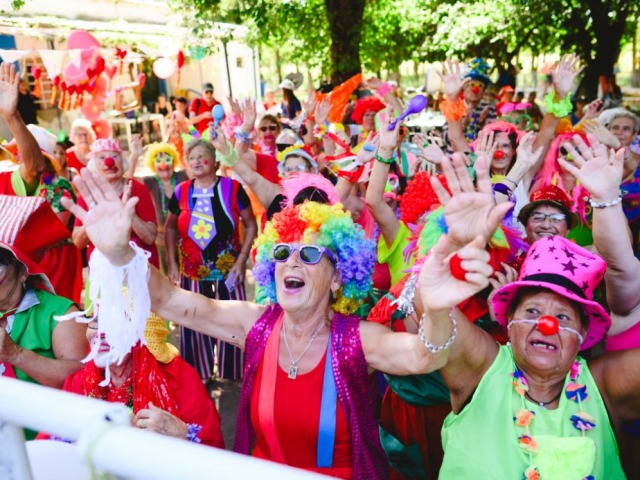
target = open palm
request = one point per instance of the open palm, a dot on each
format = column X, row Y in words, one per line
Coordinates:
column 468, row 212
column 9, row 81
column 108, row 219
column 598, row 168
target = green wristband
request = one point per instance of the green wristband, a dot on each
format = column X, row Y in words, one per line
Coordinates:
column 388, row 161
column 229, row 160
column 558, row 109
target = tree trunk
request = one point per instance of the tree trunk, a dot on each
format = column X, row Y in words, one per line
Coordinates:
column 608, row 35
column 345, row 27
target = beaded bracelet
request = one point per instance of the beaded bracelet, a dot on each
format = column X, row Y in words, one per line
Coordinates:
column 193, row 429
column 452, row 338
column 388, row 161
column 243, row 136
column 610, row 203
column 560, row 108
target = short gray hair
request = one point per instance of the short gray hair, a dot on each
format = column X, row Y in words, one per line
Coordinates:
column 616, row 113
column 199, row 142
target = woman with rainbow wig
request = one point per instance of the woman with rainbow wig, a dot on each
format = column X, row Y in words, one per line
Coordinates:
column 306, row 400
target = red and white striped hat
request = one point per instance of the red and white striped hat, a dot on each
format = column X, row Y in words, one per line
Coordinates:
column 104, row 145
column 27, row 229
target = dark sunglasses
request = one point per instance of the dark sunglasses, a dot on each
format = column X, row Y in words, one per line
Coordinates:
column 309, row 254
column 271, row 128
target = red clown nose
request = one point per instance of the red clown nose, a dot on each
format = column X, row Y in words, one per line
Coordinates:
column 109, row 162
column 498, row 155
column 547, row 325
column 475, row 89
column 456, row 268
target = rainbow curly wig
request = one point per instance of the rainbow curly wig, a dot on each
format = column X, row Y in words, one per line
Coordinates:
column 329, row 226
column 157, row 148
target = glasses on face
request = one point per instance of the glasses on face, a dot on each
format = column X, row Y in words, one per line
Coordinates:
column 208, row 92
column 472, row 84
column 555, row 218
column 309, row 254
column 271, row 128
column 296, row 168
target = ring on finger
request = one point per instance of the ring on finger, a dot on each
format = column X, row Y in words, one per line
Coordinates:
column 92, row 204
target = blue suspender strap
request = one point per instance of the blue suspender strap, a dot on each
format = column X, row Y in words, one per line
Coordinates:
column 327, row 430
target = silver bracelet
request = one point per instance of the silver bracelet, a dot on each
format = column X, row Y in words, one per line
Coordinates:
column 452, row 338
column 606, row 204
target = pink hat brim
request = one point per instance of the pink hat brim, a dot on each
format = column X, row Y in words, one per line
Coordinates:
column 599, row 319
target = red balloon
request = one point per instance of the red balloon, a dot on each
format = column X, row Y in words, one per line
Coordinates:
column 548, row 325
column 180, row 59
column 111, row 71
column 142, row 79
column 36, row 72
column 498, row 155
column 456, row 268
column 100, row 64
column 56, row 80
column 63, row 86
column 72, row 89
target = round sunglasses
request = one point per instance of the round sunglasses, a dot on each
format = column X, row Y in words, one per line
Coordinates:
column 271, row 128
column 309, row 254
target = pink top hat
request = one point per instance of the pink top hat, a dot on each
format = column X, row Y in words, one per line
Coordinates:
column 561, row 266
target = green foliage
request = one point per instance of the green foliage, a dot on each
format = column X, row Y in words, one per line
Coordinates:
column 426, row 30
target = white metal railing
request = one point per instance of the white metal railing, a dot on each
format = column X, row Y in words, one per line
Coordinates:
column 107, row 442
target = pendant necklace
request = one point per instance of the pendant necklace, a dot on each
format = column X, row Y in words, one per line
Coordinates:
column 293, row 367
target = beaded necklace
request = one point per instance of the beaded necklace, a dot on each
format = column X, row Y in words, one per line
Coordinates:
column 524, row 417
column 163, row 196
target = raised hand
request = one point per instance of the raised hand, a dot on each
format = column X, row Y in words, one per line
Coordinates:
column 601, row 132
column 525, row 153
column 249, row 114
column 565, row 73
column 310, row 103
column 594, row 109
column 136, row 145
column 219, row 141
column 366, row 154
column 452, row 79
column 108, row 219
column 389, row 138
column 374, row 82
column 429, row 149
column 486, row 145
column 322, row 111
column 598, row 168
column 508, row 275
column 468, row 212
column 234, row 105
column 9, row 81
column 439, row 290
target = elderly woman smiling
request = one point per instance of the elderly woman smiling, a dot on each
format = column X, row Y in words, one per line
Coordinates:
column 532, row 409
column 306, row 398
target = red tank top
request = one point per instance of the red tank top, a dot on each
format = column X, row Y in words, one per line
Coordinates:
column 297, row 418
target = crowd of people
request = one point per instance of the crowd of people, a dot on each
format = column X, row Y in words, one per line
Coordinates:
column 469, row 310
